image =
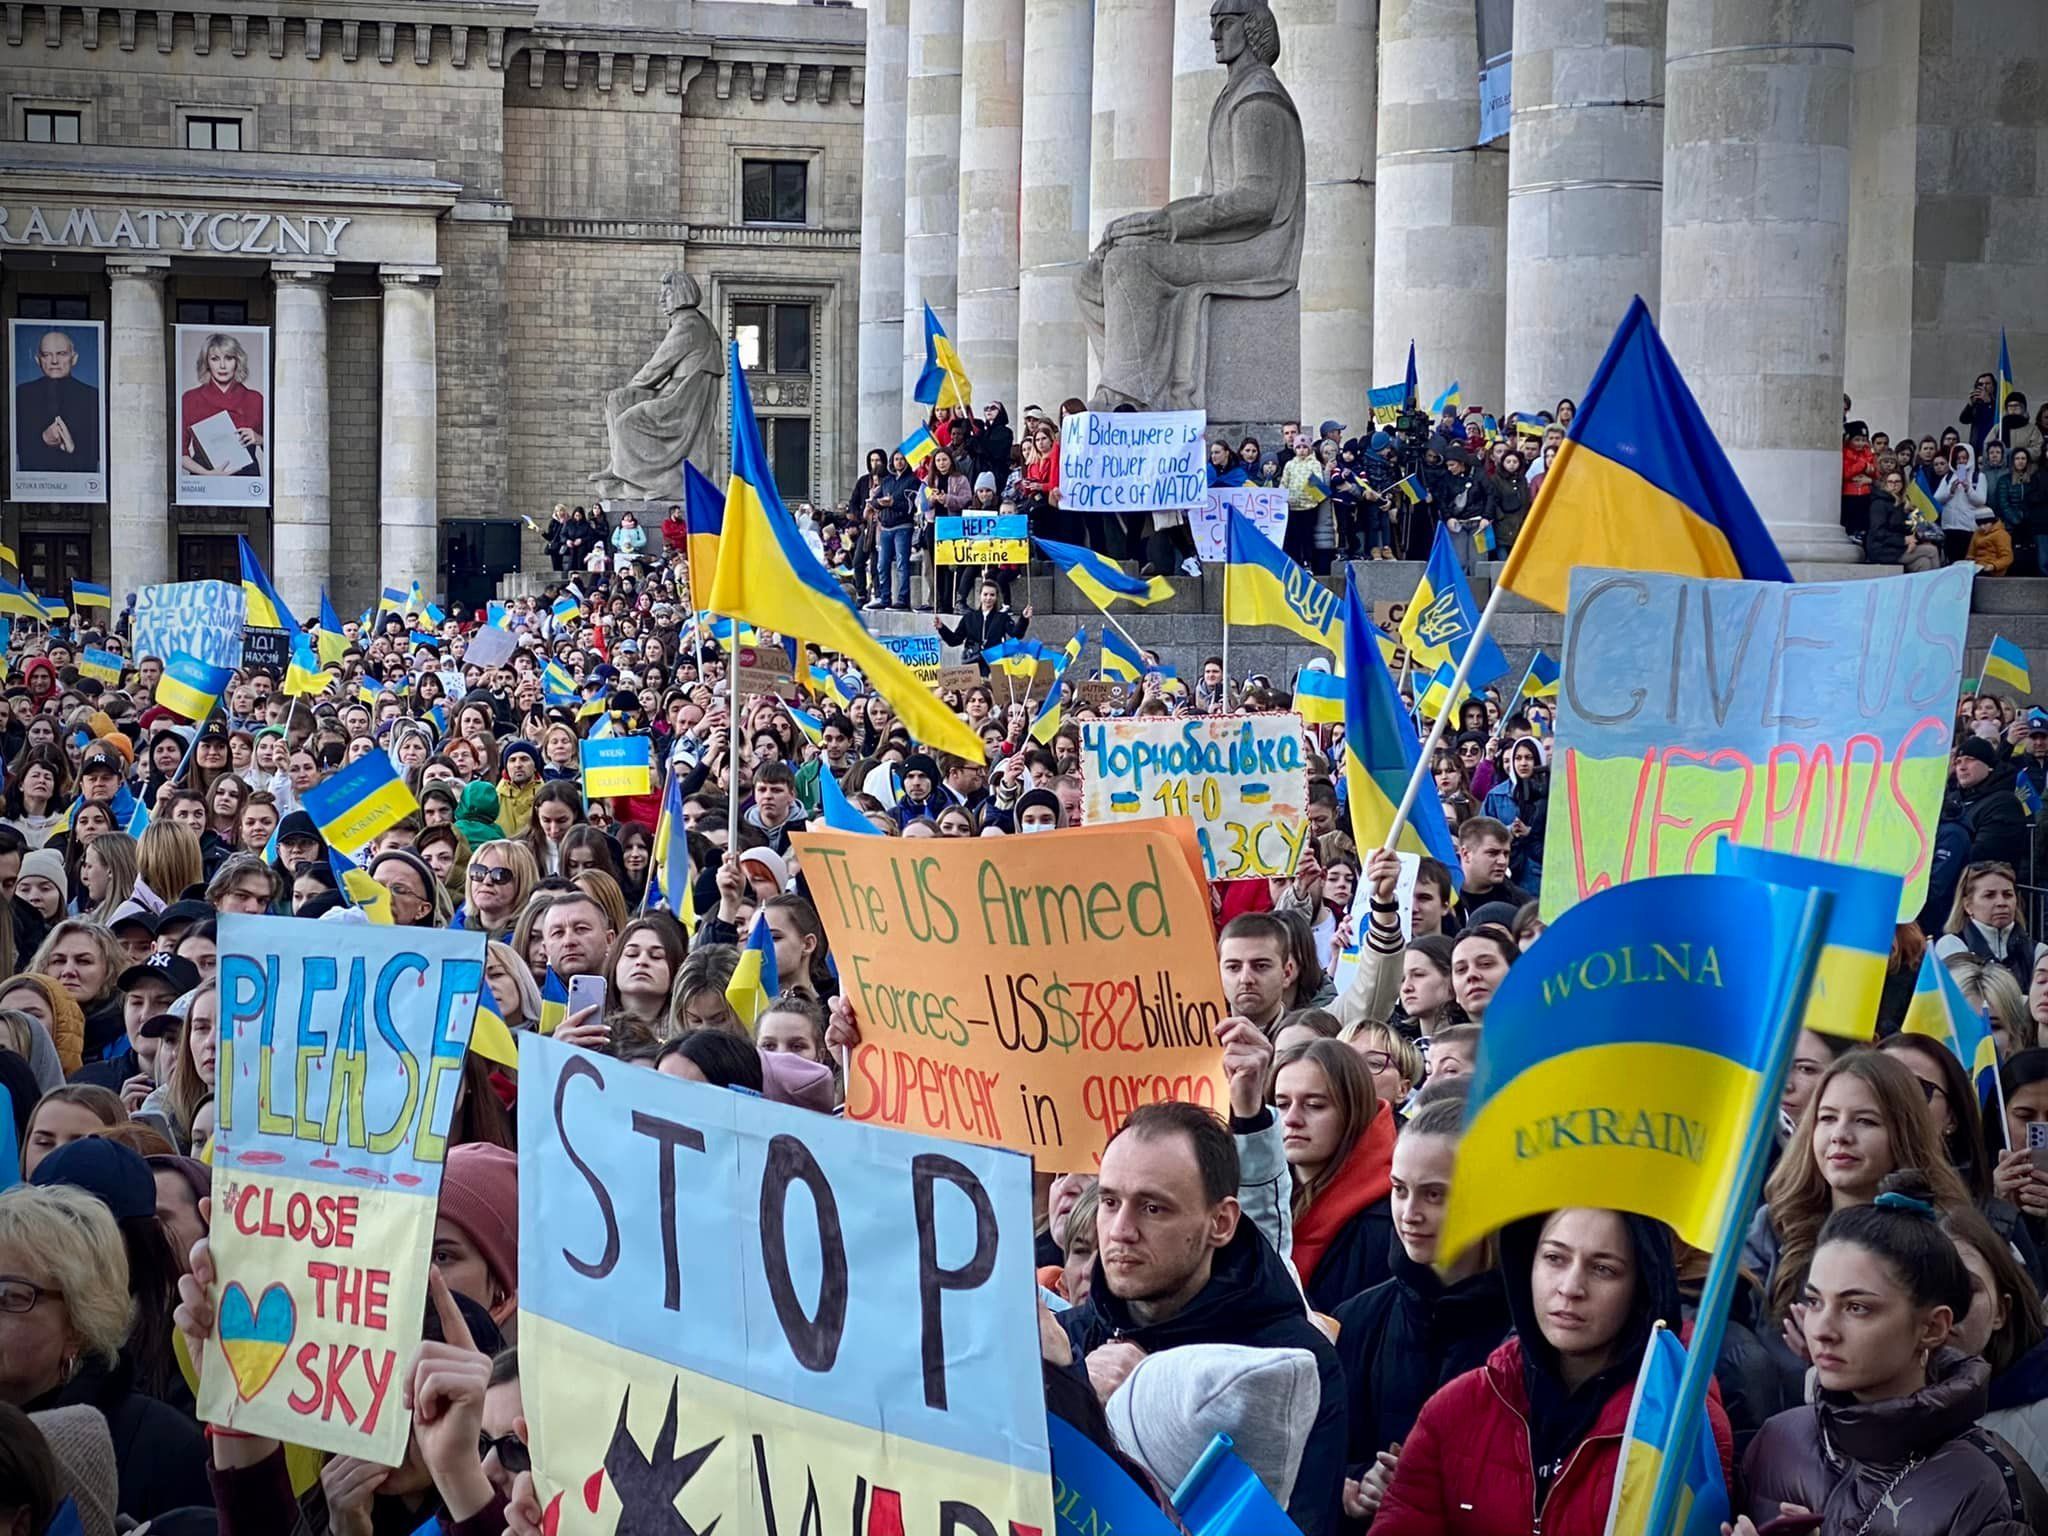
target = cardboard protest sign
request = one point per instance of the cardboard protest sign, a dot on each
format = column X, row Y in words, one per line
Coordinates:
column 1266, row 506
column 1027, row 992
column 489, row 647
column 200, row 618
column 920, row 653
column 957, row 679
column 338, row 1081
column 857, row 1351
column 765, row 670
column 1133, row 461
column 1812, row 719
column 1242, row 780
column 1099, row 693
column 982, row 538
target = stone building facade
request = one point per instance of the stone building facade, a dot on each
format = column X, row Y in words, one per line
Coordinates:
column 454, row 219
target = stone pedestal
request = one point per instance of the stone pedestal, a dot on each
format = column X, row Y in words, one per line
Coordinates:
column 1254, row 363
column 1756, row 221
column 299, row 503
column 931, row 183
column 407, row 508
column 1052, row 342
column 991, row 152
column 139, row 428
column 882, row 417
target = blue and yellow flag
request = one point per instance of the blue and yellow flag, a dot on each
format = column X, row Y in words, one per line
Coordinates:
column 191, row 687
column 1646, row 1443
column 358, row 889
column 1221, row 1496
column 704, row 522
column 567, row 608
column 668, row 870
column 1452, row 399
column 1096, row 1494
column 918, row 447
column 1411, row 383
column 104, row 666
column 1046, row 723
column 1319, row 696
column 1437, row 698
column 2007, row 663
column 754, row 983
column 1410, row 489
column 331, row 643
column 490, row 1038
column 811, row 725
column 617, row 765
column 1857, row 946
column 768, row 576
column 1920, row 497
column 1442, row 617
column 356, row 803
column 1121, row 660
column 1626, row 1061
column 16, row 600
column 1540, row 680
column 1941, row 1012
column 90, row 594
column 1261, row 585
column 2004, row 374
column 557, row 687
column 1639, row 483
column 554, row 1001
column 1101, row 581
column 262, row 607
column 944, row 381
column 393, row 601
column 1386, row 403
column 303, row 675
column 1380, row 749
column 840, row 814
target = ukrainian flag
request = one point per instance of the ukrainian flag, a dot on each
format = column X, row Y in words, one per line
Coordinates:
column 356, row 803
column 944, row 381
column 1857, row 946
column 1380, row 749
column 15, row 600
column 1442, row 617
column 838, row 811
column 668, row 872
column 52, row 610
column 2004, row 375
column 557, row 686
column 496, row 614
column 1646, row 1441
column 393, row 601
column 2007, row 663
column 1941, row 1012
column 1628, row 1062
column 1410, row 490
column 1920, row 497
column 358, row 889
column 1071, row 651
column 617, row 765
column 1120, row 658
column 1539, row 681
column 768, row 576
column 704, row 518
column 104, row 666
column 303, row 675
column 1100, row 581
column 490, row 1038
column 1436, row 693
column 812, row 727
column 191, row 687
column 90, row 594
column 595, row 705
column 1319, row 697
column 554, row 1001
column 918, row 447
column 1262, row 586
column 331, row 642
column 1639, row 483
column 754, row 983
column 1452, row 398
column 1046, row 723
column 262, row 607
column 566, row 609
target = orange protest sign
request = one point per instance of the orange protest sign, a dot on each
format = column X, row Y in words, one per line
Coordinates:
column 1028, row 992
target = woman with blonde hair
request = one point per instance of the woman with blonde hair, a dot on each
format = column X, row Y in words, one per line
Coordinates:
column 513, row 990
column 85, row 961
column 107, row 875
column 1985, row 923
column 700, row 1001
column 604, row 890
column 168, row 860
column 500, row 878
column 1391, row 1058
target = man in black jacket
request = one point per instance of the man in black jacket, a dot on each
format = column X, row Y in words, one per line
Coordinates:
column 1991, row 810
column 1175, row 1265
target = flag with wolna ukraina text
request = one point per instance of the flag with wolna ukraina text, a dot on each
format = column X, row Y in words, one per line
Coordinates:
column 1625, row 1059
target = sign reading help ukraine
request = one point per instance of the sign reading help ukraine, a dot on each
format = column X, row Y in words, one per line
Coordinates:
column 1133, row 461
column 1812, row 719
column 200, row 618
column 339, row 1076
column 858, row 1352
column 1242, row 781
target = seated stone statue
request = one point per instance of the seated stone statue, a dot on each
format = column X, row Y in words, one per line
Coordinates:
column 1146, row 289
column 668, row 411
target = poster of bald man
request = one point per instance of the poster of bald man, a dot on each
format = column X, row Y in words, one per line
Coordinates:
column 58, row 449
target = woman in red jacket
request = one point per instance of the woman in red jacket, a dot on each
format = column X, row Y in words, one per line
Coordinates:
column 1340, row 1146
column 1530, row 1441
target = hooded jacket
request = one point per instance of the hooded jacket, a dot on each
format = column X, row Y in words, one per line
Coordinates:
column 515, row 805
column 159, row 1451
column 476, row 815
column 1992, row 815
column 1508, row 1448
column 67, row 1021
column 1250, row 1299
column 2019, row 1408
column 1341, row 1241
column 1920, row 1458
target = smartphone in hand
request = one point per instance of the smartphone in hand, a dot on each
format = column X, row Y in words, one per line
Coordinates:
column 586, row 992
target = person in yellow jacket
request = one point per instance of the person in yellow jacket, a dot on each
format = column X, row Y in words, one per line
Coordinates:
column 518, row 783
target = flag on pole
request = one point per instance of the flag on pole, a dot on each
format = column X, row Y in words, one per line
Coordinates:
column 1646, row 1443
column 303, row 675
column 1380, row 749
column 754, row 983
column 2007, row 663
column 102, row 666
column 1857, row 947
column 191, row 687
column 704, row 517
column 1101, row 581
column 358, row 889
column 1263, row 586
column 1412, row 384
column 358, row 802
column 2004, row 375
column 1442, row 617
column 331, row 643
column 1941, row 1012
column 1120, row 658
column 944, row 381
column 90, row 594
column 840, row 813
column 918, row 447
column 1319, row 696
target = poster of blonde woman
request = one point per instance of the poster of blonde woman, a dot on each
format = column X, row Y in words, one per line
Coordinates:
column 222, row 374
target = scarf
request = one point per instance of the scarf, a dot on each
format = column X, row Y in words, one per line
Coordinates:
column 1364, row 1180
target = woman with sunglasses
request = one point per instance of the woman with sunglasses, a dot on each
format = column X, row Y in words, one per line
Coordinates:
column 501, row 876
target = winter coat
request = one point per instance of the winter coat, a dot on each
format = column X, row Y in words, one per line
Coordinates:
column 1885, row 541
column 515, row 805
column 2019, row 1408
column 159, row 1452
column 1856, row 470
column 1959, row 496
column 1991, row 548
column 1994, row 818
column 977, row 632
column 1341, row 1241
column 2009, row 500
column 1920, row 1459
column 1408, row 1337
column 1250, row 1299
column 476, row 815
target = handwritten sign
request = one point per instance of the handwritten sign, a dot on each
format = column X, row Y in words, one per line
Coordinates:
column 339, row 1077
column 1133, row 461
column 764, row 671
column 1266, row 506
column 1243, row 781
column 1028, row 992
column 862, row 1338
column 201, row 618
column 957, row 679
column 1812, row 719
column 982, row 538
column 1098, row 693
column 920, row 653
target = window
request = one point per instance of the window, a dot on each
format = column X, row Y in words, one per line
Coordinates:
column 773, row 337
column 41, row 126
column 789, row 455
column 213, row 133
column 774, row 191
column 212, row 312
column 52, row 306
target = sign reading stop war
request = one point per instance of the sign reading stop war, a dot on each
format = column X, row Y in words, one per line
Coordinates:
column 1027, row 992
column 739, row 1316
column 1243, row 781
column 1812, row 719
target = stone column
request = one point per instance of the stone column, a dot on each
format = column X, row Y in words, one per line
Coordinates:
column 931, row 181
column 1440, row 231
column 1131, row 133
column 1197, row 80
column 139, row 428
column 1756, row 234
column 408, row 515
column 1585, row 187
column 882, row 419
column 299, row 497
column 1052, row 241
column 991, row 162
column 1328, row 64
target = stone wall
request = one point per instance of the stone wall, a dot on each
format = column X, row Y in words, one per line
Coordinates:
column 354, row 382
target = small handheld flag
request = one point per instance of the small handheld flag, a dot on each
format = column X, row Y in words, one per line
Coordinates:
column 191, row 687
column 839, row 812
column 1120, row 658
column 103, row 666
column 90, row 594
column 1101, row 581
column 2007, row 663
column 1646, row 1444
column 1941, row 1012
column 262, row 607
column 355, row 804
column 754, row 983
